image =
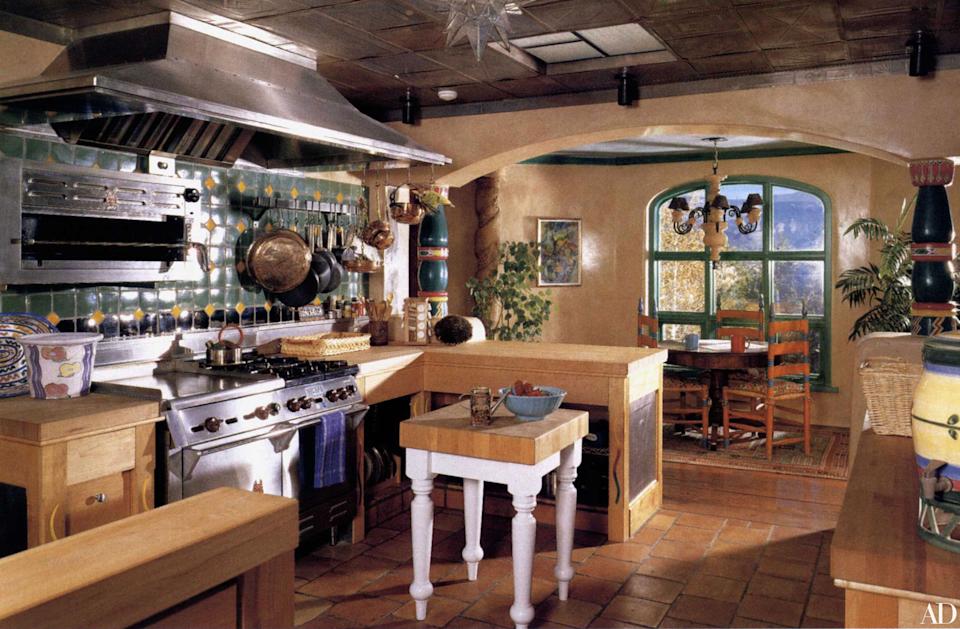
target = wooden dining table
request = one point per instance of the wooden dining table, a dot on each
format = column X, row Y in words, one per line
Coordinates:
column 717, row 358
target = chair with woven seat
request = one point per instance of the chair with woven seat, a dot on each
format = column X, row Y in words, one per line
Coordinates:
column 750, row 406
column 746, row 323
column 677, row 410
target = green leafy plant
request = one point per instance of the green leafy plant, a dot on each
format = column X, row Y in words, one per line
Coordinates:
column 883, row 288
column 508, row 301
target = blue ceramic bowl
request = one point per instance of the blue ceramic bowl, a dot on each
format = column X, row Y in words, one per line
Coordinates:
column 531, row 408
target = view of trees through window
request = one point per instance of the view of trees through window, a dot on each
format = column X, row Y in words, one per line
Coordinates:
column 785, row 261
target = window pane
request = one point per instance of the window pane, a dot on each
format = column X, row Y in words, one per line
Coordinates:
column 681, row 286
column 736, row 194
column 797, row 220
column 738, row 285
column 676, row 331
column 795, row 283
column 672, row 241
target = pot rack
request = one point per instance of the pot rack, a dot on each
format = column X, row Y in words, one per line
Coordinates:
column 261, row 205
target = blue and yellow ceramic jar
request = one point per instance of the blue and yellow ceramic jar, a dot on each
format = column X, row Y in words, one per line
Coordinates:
column 936, row 440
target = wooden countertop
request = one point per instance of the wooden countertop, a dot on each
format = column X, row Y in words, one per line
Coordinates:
column 876, row 541
column 585, row 359
column 44, row 421
column 126, row 571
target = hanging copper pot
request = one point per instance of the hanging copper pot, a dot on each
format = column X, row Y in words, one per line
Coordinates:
column 405, row 206
column 377, row 233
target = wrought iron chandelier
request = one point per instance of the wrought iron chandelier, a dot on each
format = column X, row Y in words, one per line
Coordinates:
column 479, row 21
column 714, row 217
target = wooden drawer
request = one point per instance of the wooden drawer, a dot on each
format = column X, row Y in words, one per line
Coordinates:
column 96, row 502
column 389, row 385
column 100, row 455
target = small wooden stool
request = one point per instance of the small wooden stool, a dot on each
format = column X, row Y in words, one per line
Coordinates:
column 517, row 454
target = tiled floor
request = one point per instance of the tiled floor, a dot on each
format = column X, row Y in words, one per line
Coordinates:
column 729, row 549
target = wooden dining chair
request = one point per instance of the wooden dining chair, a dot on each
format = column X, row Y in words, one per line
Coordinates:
column 750, row 406
column 747, row 323
column 677, row 410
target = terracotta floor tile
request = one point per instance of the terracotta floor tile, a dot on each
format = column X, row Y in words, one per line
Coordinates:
column 306, row 608
column 400, row 522
column 397, row 549
column 606, row 568
column 311, row 566
column 661, row 521
column 462, row 622
column 440, row 610
column 543, row 567
column 792, row 550
column 455, row 584
column 819, row 623
column 592, row 589
column 703, row 610
column 664, row 568
column 735, row 522
column 540, row 589
column 707, row 522
column 729, row 567
column 786, row 569
column 809, row 536
column 341, row 552
column 740, row 535
column 676, row 623
column 364, row 611
column 652, row 588
column 775, row 587
column 713, row 587
column 823, row 563
column 745, row 552
column 823, row 585
column 367, row 567
column 681, row 533
column 740, row 621
column 328, row 621
column 392, row 622
column 334, row 586
column 605, row 622
column 579, row 555
column 493, row 608
column 683, row 551
column 572, row 612
column 625, row 551
column 772, row 610
column 825, row 607
column 395, row 584
column 448, row 521
column 635, row 610
column 648, row 535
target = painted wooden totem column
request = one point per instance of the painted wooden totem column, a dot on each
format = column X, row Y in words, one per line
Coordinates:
column 432, row 254
column 933, row 250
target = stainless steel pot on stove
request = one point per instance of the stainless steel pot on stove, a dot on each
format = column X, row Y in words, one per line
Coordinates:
column 221, row 353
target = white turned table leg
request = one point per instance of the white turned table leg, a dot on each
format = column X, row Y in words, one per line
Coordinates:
column 566, row 510
column 524, row 532
column 421, row 518
column 472, row 518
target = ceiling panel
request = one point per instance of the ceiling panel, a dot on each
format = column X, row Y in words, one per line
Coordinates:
column 493, row 66
column 566, row 15
column 376, row 15
column 426, row 36
column 794, row 24
column 697, row 47
column 712, row 24
column 742, row 63
column 877, row 48
column 807, row 56
column 533, row 86
column 882, row 25
column 250, row 9
column 652, row 8
column 327, row 36
column 400, row 64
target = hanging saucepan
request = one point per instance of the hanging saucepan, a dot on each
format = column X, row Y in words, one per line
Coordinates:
column 279, row 261
column 302, row 294
column 405, row 206
column 377, row 233
column 336, row 271
column 222, row 352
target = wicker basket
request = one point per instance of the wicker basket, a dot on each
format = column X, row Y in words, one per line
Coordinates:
column 888, row 384
column 322, row 345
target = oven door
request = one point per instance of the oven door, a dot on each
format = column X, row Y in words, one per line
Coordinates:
column 253, row 462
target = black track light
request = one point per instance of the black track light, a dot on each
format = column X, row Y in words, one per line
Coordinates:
column 626, row 89
column 922, row 50
column 410, row 108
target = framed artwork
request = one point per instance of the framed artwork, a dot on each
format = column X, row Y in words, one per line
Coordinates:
column 560, row 251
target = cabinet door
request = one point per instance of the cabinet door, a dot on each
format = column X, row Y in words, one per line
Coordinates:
column 96, row 502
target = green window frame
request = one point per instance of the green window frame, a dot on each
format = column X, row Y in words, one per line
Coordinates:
column 767, row 256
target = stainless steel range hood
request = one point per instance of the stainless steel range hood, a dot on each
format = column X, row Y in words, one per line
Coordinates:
column 174, row 84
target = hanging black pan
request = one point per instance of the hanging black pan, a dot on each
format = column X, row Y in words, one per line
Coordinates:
column 302, row 294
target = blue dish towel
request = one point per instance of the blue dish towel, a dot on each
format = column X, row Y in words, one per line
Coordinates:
column 330, row 450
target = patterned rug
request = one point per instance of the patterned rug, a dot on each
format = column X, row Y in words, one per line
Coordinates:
column 829, row 450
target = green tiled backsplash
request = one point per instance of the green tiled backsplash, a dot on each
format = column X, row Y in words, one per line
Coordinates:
column 218, row 297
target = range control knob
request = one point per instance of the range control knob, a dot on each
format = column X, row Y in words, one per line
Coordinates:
column 351, row 389
column 294, row 404
column 191, row 195
column 342, row 394
column 332, row 395
column 212, row 424
column 273, row 408
column 305, row 403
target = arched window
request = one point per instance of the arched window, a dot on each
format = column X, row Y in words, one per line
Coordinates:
column 787, row 261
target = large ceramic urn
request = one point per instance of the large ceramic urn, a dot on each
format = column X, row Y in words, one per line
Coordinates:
column 936, row 441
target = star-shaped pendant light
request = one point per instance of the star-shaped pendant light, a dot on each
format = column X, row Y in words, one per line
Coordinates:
column 479, row 21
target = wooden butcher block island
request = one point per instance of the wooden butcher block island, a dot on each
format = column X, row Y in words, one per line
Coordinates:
column 623, row 380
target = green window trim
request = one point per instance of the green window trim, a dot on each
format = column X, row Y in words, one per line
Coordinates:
column 820, row 381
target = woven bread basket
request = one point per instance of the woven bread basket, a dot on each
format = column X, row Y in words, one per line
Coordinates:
column 888, row 385
column 321, row 345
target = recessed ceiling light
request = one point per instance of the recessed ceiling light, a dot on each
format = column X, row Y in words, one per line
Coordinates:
column 447, row 94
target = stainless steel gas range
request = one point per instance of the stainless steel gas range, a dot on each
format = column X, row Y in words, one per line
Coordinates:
column 254, row 426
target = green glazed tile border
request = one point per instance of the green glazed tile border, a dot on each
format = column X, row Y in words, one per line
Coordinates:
column 224, row 193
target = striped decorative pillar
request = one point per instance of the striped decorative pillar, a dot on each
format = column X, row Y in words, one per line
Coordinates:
column 432, row 254
column 933, row 250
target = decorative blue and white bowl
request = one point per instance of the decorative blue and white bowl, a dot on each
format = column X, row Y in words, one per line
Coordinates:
column 59, row 365
column 529, row 408
column 13, row 362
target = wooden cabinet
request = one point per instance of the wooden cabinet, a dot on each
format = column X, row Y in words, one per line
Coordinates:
column 83, row 462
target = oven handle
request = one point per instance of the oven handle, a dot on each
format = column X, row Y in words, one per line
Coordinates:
column 200, row 451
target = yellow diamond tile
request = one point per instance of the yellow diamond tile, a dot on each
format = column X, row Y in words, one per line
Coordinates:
column 339, row 197
column 53, row 318
column 175, row 311
column 241, row 186
column 241, row 227
column 240, row 307
column 268, row 227
column 98, row 317
column 209, row 309
column 210, row 224
column 294, row 193
column 316, row 301
column 267, row 306
column 316, row 195
column 209, row 183
column 269, row 190
column 212, row 266
column 139, row 314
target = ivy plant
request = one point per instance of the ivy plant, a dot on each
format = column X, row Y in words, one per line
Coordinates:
column 508, row 301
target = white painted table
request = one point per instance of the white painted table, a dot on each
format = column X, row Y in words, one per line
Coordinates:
column 514, row 453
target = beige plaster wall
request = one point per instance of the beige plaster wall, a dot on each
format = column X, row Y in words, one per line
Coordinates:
column 613, row 202
column 24, row 57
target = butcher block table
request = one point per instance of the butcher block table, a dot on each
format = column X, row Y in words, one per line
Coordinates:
column 515, row 453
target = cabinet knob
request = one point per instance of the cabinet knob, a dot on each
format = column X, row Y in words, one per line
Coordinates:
column 101, row 497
